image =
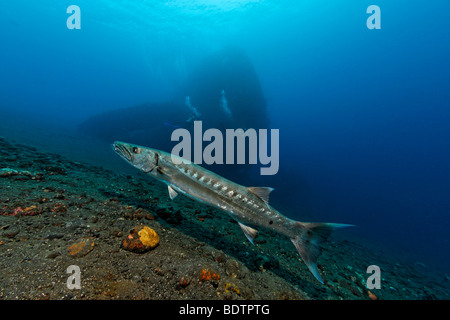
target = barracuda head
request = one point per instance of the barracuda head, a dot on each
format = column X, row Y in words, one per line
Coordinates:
column 142, row 158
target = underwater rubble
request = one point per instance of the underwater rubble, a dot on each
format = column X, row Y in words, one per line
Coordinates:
column 130, row 241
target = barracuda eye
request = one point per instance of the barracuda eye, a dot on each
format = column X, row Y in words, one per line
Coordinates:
column 136, row 150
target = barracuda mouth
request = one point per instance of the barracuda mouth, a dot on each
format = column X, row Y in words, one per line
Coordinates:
column 122, row 151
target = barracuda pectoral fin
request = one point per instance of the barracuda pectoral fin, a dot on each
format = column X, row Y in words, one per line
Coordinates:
column 172, row 193
column 249, row 232
column 262, row 192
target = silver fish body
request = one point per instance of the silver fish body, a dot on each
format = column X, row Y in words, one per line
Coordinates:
column 249, row 206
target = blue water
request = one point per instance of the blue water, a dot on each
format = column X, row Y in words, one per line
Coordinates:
column 364, row 115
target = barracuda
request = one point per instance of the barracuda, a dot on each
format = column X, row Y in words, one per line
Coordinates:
column 249, row 206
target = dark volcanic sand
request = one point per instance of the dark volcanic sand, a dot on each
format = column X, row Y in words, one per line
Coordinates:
column 53, row 203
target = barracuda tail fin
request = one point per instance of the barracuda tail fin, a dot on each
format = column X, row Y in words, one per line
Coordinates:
column 308, row 242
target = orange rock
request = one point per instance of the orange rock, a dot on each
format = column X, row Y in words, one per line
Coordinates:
column 206, row 275
column 141, row 239
column 184, row 282
column 17, row 211
column 81, row 248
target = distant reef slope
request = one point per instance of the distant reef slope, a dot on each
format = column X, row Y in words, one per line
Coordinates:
column 224, row 89
column 223, row 92
column 147, row 124
column 229, row 73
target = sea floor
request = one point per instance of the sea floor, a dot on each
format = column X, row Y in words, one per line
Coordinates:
column 50, row 204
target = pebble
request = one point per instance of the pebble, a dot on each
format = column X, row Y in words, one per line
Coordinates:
column 184, row 282
column 141, row 239
column 233, row 269
column 53, row 255
column 116, row 233
column 55, row 236
column 11, row 233
column 82, row 248
column 6, row 172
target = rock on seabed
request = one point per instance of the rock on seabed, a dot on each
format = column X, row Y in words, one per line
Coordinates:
column 141, row 239
column 82, row 248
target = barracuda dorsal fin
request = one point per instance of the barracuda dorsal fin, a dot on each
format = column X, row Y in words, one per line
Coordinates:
column 262, row 192
column 172, row 193
column 249, row 232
